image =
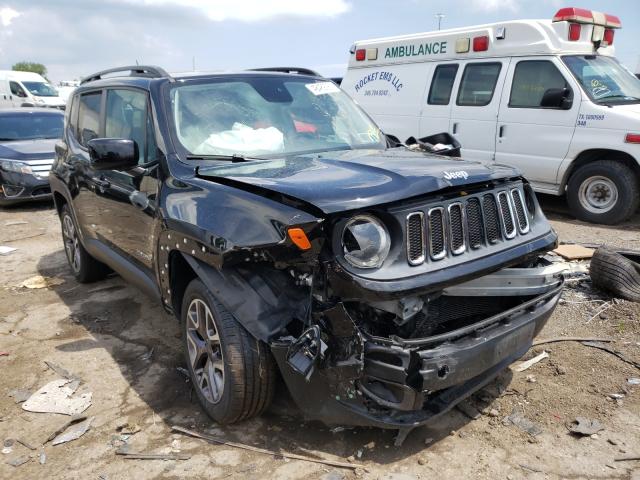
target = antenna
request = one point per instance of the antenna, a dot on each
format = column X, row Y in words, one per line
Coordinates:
column 439, row 16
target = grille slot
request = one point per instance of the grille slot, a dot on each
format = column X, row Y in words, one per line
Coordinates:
column 437, row 248
column 416, row 247
column 521, row 214
column 474, row 223
column 490, row 212
column 506, row 214
column 456, row 228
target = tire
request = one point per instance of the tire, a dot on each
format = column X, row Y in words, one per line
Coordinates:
column 84, row 267
column 616, row 272
column 223, row 354
column 604, row 191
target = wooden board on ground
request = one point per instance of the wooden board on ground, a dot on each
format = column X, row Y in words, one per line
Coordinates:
column 574, row 252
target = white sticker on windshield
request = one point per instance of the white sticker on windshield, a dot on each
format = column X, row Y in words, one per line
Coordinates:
column 322, row 88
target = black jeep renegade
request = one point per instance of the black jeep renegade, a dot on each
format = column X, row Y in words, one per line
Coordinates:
column 291, row 237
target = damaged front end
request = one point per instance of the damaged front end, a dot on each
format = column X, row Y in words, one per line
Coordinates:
column 459, row 294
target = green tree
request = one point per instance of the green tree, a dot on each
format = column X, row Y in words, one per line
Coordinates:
column 34, row 67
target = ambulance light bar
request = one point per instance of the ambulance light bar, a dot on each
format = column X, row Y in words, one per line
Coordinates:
column 581, row 15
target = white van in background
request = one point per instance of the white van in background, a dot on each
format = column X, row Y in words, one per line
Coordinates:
column 27, row 89
column 546, row 96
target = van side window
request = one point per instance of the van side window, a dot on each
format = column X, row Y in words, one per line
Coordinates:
column 128, row 117
column 17, row 90
column 478, row 83
column 442, row 84
column 531, row 79
column 89, row 117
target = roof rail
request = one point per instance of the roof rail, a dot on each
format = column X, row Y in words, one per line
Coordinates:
column 298, row 70
column 148, row 71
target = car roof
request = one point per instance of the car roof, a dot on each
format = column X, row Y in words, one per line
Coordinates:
column 30, row 111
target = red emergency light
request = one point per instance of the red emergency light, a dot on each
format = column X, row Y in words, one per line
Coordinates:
column 632, row 138
column 481, row 44
column 582, row 15
column 574, row 32
column 361, row 54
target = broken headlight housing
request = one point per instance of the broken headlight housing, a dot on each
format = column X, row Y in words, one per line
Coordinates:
column 15, row 166
column 365, row 242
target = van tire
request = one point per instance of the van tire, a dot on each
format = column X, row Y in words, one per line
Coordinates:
column 244, row 368
column 596, row 178
column 616, row 272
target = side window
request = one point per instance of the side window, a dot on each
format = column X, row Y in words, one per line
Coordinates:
column 531, row 79
column 89, row 116
column 17, row 90
column 127, row 117
column 478, row 83
column 442, row 84
column 72, row 116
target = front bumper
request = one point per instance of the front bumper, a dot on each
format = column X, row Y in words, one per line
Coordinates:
column 19, row 188
column 406, row 383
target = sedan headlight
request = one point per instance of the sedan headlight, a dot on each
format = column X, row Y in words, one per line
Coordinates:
column 15, row 166
column 365, row 242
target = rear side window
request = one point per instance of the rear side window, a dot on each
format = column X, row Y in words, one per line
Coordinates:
column 127, row 118
column 442, row 84
column 89, row 116
column 478, row 84
column 531, row 79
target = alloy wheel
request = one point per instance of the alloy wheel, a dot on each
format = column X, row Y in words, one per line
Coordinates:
column 71, row 242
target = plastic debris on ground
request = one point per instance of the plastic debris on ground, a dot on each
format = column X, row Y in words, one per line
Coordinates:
column 56, row 397
column 5, row 250
column 38, row 281
column 518, row 419
column 73, row 432
column 585, row 426
column 522, row 366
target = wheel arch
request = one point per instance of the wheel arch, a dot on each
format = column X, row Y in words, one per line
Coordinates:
column 593, row 154
column 59, row 201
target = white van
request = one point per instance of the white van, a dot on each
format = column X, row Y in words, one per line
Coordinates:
column 546, row 96
column 27, row 89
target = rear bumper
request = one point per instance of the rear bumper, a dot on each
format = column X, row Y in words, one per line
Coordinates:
column 404, row 384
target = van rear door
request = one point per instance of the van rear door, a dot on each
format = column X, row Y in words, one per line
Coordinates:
column 534, row 134
column 475, row 110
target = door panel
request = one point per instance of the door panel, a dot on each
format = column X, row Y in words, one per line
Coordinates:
column 438, row 100
column 475, row 111
column 531, row 137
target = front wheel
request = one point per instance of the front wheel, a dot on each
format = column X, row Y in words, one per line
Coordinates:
column 605, row 191
column 233, row 373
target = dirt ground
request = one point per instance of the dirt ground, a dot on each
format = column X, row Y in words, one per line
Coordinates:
column 126, row 350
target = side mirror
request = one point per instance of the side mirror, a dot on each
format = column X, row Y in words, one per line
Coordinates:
column 557, row 98
column 113, row 153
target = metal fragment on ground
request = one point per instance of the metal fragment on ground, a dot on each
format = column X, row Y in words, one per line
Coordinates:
column 522, row 366
column 585, row 426
column 518, row 419
column 63, row 372
column 56, row 397
column 73, row 432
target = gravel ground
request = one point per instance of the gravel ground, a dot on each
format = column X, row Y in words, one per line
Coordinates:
column 126, row 350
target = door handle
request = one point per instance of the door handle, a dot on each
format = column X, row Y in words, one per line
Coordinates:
column 501, row 131
column 455, row 127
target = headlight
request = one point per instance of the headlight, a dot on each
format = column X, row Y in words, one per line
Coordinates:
column 15, row 166
column 365, row 242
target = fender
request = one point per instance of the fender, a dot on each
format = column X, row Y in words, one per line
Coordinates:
column 262, row 299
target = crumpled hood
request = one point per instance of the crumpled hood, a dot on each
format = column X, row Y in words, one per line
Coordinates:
column 339, row 181
column 28, row 149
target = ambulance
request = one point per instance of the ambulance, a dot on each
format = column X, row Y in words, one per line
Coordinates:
column 546, row 96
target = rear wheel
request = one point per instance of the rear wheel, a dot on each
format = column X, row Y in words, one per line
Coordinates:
column 233, row 373
column 85, row 268
column 605, row 191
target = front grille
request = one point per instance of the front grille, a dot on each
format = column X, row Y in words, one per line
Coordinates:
column 467, row 223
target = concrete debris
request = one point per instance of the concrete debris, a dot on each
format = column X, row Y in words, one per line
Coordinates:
column 55, row 397
column 522, row 366
column 585, row 426
column 16, row 462
column 73, row 432
column 5, row 250
column 38, row 281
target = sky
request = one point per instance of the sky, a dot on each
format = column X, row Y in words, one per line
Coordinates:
column 74, row 38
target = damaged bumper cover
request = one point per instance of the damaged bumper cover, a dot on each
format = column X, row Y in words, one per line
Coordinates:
column 393, row 382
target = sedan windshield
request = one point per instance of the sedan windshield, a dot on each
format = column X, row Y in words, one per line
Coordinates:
column 41, row 89
column 604, row 79
column 29, row 126
column 268, row 117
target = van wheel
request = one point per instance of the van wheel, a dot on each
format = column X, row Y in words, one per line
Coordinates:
column 605, row 191
column 85, row 268
column 233, row 373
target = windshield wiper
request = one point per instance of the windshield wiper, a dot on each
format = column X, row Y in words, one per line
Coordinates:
column 229, row 158
column 619, row 96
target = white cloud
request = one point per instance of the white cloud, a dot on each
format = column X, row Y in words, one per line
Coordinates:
column 496, row 5
column 256, row 10
column 7, row 14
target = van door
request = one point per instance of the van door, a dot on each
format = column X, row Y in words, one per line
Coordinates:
column 436, row 110
column 535, row 124
column 18, row 93
column 475, row 111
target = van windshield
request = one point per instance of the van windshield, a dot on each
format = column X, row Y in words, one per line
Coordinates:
column 268, row 117
column 40, row 89
column 604, row 79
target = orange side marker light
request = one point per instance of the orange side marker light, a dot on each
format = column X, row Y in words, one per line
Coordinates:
column 299, row 238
